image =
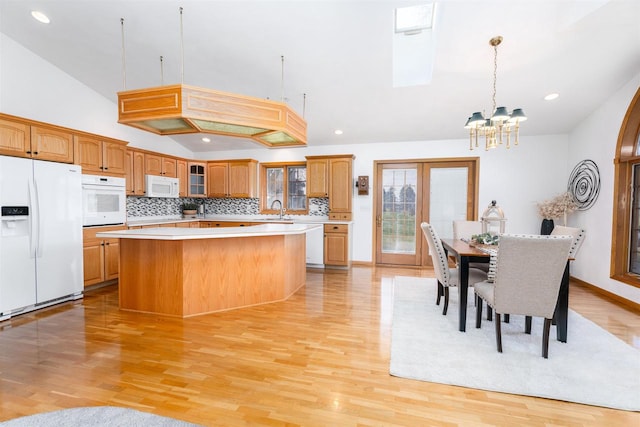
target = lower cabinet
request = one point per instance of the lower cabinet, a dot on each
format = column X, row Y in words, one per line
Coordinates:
column 101, row 256
column 336, row 245
column 207, row 224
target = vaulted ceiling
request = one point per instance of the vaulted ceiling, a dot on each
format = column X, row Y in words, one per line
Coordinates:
column 357, row 74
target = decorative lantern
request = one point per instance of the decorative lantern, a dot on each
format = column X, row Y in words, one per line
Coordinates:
column 493, row 219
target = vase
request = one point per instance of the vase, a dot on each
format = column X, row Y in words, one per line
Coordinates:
column 547, row 227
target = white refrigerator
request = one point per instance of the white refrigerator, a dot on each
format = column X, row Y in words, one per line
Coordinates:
column 40, row 234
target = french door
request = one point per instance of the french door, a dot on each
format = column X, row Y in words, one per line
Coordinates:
column 411, row 192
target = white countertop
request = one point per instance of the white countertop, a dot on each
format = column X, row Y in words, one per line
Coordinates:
column 163, row 233
column 268, row 219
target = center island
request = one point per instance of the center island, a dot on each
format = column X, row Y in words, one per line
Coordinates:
column 185, row 272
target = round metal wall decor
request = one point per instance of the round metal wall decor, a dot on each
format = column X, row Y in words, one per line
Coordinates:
column 584, row 184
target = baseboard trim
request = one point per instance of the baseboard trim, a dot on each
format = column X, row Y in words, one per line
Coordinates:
column 362, row 263
column 608, row 295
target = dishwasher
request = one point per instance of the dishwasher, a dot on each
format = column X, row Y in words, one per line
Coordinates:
column 315, row 247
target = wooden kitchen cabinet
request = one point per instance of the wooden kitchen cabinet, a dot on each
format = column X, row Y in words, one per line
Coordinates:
column 336, row 245
column 317, row 177
column 236, row 178
column 21, row 139
column 104, row 157
column 197, row 175
column 332, row 177
column 340, row 187
column 213, row 224
column 182, row 173
column 15, row 138
column 51, row 144
column 134, row 172
column 101, row 256
column 155, row 164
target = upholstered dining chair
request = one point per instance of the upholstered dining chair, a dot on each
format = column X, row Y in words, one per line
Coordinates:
column 528, row 274
column 578, row 235
column 447, row 276
column 463, row 229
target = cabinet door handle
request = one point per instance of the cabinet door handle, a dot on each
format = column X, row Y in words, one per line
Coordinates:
column 335, row 227
column 28, row 152
column 379, row 220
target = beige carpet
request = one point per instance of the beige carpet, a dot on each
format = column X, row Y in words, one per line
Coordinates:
column 593, row 367
column 96, row 416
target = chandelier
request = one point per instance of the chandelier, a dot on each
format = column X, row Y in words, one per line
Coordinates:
column 498, row 128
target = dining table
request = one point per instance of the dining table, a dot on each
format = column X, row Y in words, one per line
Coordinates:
column 466, row 253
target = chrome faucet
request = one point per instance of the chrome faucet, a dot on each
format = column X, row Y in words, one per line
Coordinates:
column 281, row 208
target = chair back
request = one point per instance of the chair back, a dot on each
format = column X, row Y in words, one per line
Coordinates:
column 438, row 256
column 465, row 229
column 529, row 272
column 577, row 234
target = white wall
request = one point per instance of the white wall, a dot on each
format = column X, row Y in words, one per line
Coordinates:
column 596, row 139
column 518, row 178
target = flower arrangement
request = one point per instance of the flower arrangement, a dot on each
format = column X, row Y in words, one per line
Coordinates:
column 486, row 238
column 558, row 207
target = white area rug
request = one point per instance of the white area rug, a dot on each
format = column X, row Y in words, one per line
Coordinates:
column 593, row 367
column 96, row 416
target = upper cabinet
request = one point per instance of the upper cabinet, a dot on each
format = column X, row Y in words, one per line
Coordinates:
column 15, row 138
column 104, row 157
column 197, row 179
column 317, row 177
column 332, row 176
column 51, row 144
column 155, row 164
column 22, row 139
column 340, row 187
column 134, row 172
column 236, row 178
column 182, row 174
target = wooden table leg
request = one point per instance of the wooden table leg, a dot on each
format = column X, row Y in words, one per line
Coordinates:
column 463, row 287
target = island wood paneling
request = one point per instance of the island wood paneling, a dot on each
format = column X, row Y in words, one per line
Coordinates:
column 196, row 276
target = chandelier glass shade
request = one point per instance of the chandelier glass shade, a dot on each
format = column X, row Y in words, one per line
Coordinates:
column 497, row 129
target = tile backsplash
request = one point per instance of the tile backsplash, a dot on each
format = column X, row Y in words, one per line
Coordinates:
column 138, row 207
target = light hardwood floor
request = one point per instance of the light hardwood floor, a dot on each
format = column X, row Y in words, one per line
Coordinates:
column 320, row 358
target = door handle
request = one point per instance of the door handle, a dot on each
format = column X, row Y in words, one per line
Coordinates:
column 379, row 220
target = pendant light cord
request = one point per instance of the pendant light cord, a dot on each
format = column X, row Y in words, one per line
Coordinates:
column 181, row 47
column 282, row 78
column 161, row 71
column 124, row 66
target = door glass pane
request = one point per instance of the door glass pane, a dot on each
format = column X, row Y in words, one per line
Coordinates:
column 447, row 199
column 399, row 210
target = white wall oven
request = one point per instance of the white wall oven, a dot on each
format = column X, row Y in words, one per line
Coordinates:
column 103, row 200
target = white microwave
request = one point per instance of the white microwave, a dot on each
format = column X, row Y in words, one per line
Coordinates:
column 103, row 200
column 161, row 186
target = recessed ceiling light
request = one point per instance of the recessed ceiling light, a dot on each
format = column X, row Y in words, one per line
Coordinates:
column 551, row 97
column 205, row 139
column 337, row 132
column 41, row 17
